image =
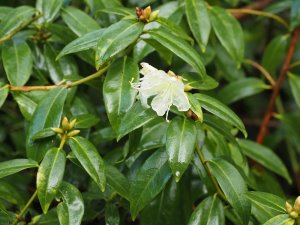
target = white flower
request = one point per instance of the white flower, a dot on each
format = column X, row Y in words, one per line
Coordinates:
column 167, row 89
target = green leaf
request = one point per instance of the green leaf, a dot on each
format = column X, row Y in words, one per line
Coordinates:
column 55, row 70
column 136, row 117
column 240, row 89
column 15, row 18
column 116, row 38
column 295, row 14
column 47, row 132
column 117, row 181
column 220, row 110
column 118, row 94
column 265, row 205
column 149, row 181
column 78, row 21
column 15, row 165
column 86, row 120
column 4, row 10
column 179, row 47
column 120, row 11
column 11, row 194
column 112, row 216
column 198, row 19
column 3, row 93
column 71, row 209
column 173, row 27
column 229, row 33
column 195, row 106
column 209, row 211
column 294, row 82
column 90, row 159
column 282, row 219
column 17, row 62
column 47, row 114
column 265, row 157
column 49, row 9
column 85, row 42
column 50, row 176
column 180, row 144
column 191, row 80
column 274, row 53
column 233, row 186
column 26, row 104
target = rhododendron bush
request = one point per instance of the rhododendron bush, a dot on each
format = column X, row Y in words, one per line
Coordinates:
column 149, row 112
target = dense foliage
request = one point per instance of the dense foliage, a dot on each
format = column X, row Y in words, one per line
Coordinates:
column 79, row 145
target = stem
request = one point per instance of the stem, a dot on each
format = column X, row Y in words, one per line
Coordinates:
column 63, row 140
column 259, row 13
column 19, row 216
column 256, row 6
column 49, row 87
column 297, row 63
column 23, row 25
column 264, row 72
column 269, row 112
column 213, row 180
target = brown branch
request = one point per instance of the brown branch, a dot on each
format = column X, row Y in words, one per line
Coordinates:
column 267, row 117
column 254, row 6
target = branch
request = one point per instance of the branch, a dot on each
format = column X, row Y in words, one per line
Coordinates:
column 254, row 6
column 268, row 114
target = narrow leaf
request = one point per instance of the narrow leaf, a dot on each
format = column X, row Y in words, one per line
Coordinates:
column 49, row 176
column 209, row 211
column 16, row 165
column 49, row 9
column 180, row 144
column 71, row 209
column 149, row 181
column 222, row 111
column 295, row 14
column 90, row 159
column 118, row 94
column 112, row 216
column 198, row 19
column 192, row 81
column 116, row 38
column 294, row 82
column 195, row 106
column 137, row 116
column 282, row 219
column 47, row 114
column 3, row 93
column 55, row 70
column 17, row 62
column 86, row 120
column 229, row 33
column 233, row 186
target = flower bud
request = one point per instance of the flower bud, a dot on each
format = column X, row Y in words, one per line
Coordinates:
column 297, row 204
column 65, row 124
column 73, row 133
column 147, row 12
column 72, row 123
column 294, row 215
column 288, row 207
column 153, row 15
column 57, row 130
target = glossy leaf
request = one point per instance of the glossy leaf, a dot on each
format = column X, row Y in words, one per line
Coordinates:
column 195, row 106
column 191, row 81
column 90, row 159
column 266, row 205
column 294, row 82
column 116, row 38
column 26, row 104
column 220, row 110
column 4, row 10
column 85, row 42
column 295, row 14
column 274, row 53
column 137, row 116
column 78, row 21
column 179, row 47
column 15, row 18
column 209, row 211
column 55, row 70
column 17, row 62
column 180, row 144
column 86, row 121
column 16, row 165
column 112, row 216
column 47, row 132
column 240, row 89
column 50, row 176
column 149, row 181
column 198, row 19
column 47, row 114
column 229, row 33
column 3, row 93
column 49, row 9
column 265, row 157
column 282, row 219
column 118, row 94
column 71, row 209
column 233, row 186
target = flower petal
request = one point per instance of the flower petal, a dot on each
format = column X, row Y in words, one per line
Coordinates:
column 180, row 99
column 162, row 102
column 147, row 69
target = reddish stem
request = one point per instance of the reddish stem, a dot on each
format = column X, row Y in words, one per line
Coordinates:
column 256, row 6
column 267, row 117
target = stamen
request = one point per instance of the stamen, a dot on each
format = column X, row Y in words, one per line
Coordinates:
column 134, row 85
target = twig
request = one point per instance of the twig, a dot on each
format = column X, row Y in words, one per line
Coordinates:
column 266, row 74
column 254, row 6
column 269, row 112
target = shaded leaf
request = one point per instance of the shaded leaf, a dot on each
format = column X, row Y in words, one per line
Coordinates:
column 295, row 14
column 49, row 9
column 294, row 82
column 16, row 165
column 86, row 120
column 112, row 216
column 191, row 80
column 3, row 93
